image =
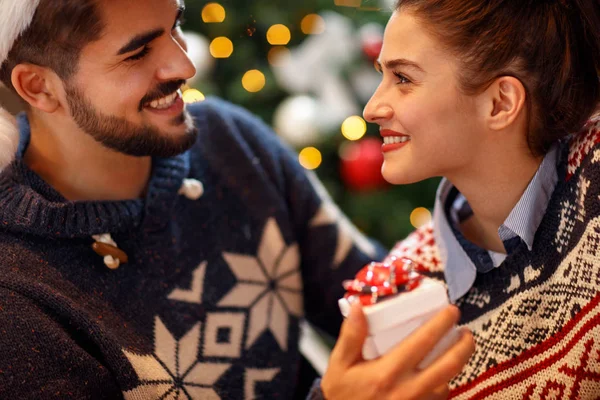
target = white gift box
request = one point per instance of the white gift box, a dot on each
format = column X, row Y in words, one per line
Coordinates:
column 393, row 319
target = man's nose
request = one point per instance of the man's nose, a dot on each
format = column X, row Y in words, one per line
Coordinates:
column 177, row 64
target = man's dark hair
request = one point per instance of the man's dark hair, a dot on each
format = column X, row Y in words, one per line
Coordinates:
column 57, row 34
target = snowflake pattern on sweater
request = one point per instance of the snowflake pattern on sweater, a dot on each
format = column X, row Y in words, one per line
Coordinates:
column 209, row 304
column 268, row 285
column 536, row 318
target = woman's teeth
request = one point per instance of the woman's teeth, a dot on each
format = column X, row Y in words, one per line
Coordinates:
column 395, row 139
column 164, row 102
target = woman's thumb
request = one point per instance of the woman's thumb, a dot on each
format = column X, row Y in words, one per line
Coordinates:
column 348, row 349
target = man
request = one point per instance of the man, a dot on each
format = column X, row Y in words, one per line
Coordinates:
column 152, row 251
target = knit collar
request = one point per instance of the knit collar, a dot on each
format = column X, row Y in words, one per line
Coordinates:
column 29, row 205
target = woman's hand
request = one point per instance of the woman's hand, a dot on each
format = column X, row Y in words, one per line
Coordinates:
column 395, row 375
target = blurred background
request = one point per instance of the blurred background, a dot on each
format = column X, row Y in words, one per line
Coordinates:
column 306, row 68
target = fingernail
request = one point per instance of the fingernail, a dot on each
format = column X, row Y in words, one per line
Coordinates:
column 464, row 330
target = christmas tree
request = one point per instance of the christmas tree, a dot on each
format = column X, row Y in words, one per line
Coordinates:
column 306, row 68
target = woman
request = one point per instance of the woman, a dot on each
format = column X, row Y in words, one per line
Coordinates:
column 486, row 94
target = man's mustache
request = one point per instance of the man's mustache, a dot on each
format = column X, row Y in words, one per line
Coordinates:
column 164, row 89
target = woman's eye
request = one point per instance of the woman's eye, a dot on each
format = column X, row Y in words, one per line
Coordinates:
column 401, row 78
column 139, row 55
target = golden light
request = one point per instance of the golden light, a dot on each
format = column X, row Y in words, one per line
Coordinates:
column 213, row 13
column 419, row 217
column 348, row 3
column 354, row 127
column 221, row 47
column 312, row 24
column 253, row 81
column 310, row 158
column 193, row 96
column 278, row 55
column 278, row 35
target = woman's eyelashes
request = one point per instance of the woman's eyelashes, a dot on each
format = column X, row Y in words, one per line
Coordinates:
column 402, row 80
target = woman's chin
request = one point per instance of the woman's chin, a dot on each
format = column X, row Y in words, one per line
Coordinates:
column 401, row 176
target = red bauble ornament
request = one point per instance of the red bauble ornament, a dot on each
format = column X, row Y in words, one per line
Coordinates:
column 371, row 46
column 360, row 165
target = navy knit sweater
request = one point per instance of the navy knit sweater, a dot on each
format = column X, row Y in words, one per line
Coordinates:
column 209, row 303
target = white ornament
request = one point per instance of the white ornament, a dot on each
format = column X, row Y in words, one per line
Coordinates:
column 336, row 103
column 198, row 51
column 295, row 120
column 389, row 4
column 371, row 32
column 319, row 58
column 365, row 81
column 314, row 67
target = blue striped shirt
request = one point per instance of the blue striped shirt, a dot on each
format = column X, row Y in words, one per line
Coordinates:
column 462, row 258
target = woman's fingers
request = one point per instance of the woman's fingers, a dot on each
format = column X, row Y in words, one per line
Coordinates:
column 348, row 348
column 444, row 368
column 440, row 393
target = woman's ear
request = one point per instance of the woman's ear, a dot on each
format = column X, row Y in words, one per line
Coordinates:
column 506, row 98
column 35, row 85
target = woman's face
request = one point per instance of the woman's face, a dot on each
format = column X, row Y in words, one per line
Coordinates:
column 429, row 127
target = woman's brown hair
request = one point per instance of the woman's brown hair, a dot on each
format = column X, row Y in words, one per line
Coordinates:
column 551, row 46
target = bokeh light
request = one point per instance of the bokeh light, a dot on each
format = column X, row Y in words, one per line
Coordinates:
column 213, row 13
column 193, row 96
column 348, row 3
column 354, row 127
column 253, row 81
column 278, row 35
column 312, row 24
column 419, row 217
column 221, row 47
column 310, row 158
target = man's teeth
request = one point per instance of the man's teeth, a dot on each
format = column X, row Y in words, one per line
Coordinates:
column 395, row 139
column 164, row 102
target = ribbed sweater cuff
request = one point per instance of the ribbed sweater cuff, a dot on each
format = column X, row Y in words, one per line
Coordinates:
column 315, row 391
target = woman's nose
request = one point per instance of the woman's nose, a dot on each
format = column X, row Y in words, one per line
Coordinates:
column 377, row 111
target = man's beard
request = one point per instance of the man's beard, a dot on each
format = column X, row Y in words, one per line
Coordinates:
column 125, row 137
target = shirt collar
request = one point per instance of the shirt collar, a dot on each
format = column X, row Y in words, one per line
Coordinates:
column 459, row 270
column 525, row 218
column 523, row 222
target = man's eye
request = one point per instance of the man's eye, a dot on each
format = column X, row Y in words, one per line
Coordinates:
column 139, row 55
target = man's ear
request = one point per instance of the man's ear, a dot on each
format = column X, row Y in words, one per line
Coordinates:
column 505, row 99
column 37, row 86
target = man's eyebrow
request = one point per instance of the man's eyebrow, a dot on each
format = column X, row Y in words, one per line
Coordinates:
column 144, row 38
column 399, row 62
column 140, row 41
